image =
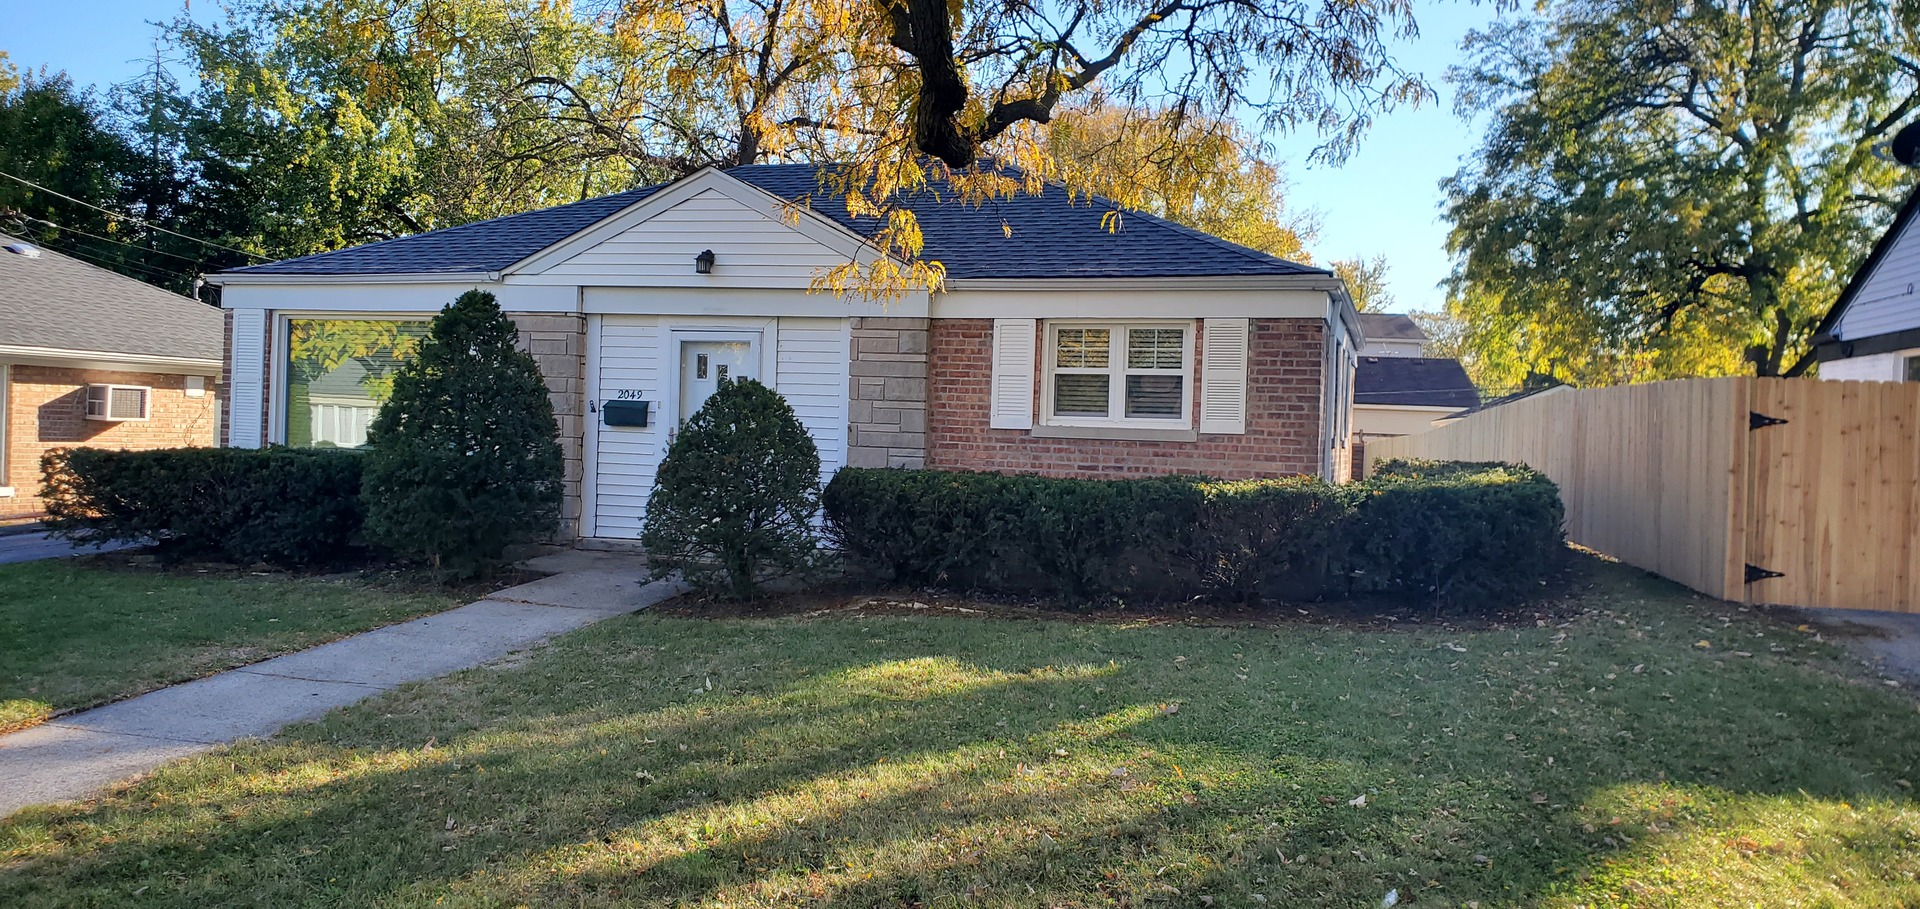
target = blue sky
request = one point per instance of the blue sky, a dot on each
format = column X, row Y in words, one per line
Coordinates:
column 1382, row 201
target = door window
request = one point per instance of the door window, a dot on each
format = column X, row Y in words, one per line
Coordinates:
column 705, row 364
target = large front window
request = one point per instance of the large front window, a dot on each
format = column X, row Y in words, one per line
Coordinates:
column 1121, row 373
column 339, row 372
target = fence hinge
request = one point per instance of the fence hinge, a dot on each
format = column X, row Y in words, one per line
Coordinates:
column 1758, row 420
column 1756, row 573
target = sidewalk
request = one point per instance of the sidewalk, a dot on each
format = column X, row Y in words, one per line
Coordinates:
column 74, row 756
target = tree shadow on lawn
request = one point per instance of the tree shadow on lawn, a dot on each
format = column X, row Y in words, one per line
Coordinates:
column 940, row 761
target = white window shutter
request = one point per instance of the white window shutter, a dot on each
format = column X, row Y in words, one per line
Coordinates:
column 1011, row 406
column 246, row 378
column 1223, row 376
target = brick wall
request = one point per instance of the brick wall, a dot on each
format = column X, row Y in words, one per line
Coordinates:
column 1283, row 415
column 47, row 409
column 559, row 343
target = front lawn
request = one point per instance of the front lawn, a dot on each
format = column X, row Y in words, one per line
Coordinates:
column 78, row 632
column 1652, row 750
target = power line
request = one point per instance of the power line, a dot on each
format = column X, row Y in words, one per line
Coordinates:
column 101, row 260
column 76, row 230
column 127, row 217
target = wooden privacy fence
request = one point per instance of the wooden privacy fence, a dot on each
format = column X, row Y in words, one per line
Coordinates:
column 1780, row 491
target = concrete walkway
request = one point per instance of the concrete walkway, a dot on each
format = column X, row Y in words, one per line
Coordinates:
column 74, row 756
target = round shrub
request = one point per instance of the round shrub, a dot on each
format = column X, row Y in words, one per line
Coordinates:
column 465, row 457
column 734, row 502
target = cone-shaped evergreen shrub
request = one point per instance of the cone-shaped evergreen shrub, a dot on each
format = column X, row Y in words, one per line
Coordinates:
column 466, row 456
column 734, row 502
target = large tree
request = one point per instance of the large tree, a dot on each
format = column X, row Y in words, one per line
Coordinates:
column 1673, row 188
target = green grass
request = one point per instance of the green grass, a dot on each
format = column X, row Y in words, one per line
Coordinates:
column 932, row 760
column 76, row 632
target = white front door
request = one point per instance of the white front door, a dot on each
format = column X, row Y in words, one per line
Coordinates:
column 705, row 363
column 675, row 367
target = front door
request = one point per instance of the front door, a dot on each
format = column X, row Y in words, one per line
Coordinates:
column 704, row 363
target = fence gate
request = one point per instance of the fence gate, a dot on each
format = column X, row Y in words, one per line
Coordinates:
column 1833, row 495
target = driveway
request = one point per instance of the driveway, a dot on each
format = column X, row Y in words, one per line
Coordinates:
column 1887, row 641
column 37, row 544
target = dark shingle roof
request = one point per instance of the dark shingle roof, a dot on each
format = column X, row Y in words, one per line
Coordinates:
column 1052, row 236
column 478, row 247
column 59, row 302
column 1413, row 382
column 1390, row 326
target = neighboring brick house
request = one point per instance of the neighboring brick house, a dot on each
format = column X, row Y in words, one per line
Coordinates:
column 1057, row 346
column 92, row 357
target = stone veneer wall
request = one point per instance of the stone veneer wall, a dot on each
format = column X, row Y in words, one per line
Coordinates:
column 558, row 343
column 1284, row 405
column 887, row 413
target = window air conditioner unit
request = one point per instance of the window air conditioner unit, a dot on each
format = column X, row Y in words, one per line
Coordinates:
column 118, row 403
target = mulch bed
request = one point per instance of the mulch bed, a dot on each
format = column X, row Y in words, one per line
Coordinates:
column 852, row 599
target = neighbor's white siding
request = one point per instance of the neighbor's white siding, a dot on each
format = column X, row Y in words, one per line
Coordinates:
column 1887, row 301
column 629, row 357
column 812, row 375
column 751, row 249
column 1881, row 367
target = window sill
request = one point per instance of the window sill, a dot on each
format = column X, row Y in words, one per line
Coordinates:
column 1115, row 433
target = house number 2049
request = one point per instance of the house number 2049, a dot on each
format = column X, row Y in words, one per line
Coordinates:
column 627, row 394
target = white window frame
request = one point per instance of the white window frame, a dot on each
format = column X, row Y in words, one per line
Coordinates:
column 279, row 356
column 146, row 402
column 1118, row 371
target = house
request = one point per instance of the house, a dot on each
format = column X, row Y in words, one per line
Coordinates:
column 1392, row 334
column 1398, row 389
column 1056, row 347
column 1399, row 396
column 92, row 357
column 1872, row 333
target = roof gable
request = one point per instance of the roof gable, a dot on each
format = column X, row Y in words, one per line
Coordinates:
column 763, row 242
column 58, row 303
column 1883, row 296
column 1049, row 235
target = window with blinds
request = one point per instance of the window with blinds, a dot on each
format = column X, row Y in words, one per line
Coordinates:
column 1119, row 374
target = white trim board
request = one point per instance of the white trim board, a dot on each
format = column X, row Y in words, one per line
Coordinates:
column 730, row 302
column 108, row 360
column 1092, row 300
column 390, row 297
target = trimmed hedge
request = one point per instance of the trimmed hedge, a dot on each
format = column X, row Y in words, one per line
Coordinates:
column 1467, row 534
column 1455, row 531
column 282, row 506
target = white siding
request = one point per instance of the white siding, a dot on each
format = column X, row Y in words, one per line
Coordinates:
column 809, row 366
column 626, row 459
column 1887, row 300
column 247, row 378
column 1881, row 367
column 812, row 376
column 750, row 248
column 1394, row 348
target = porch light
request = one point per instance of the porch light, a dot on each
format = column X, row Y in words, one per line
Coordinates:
column 703, row 263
